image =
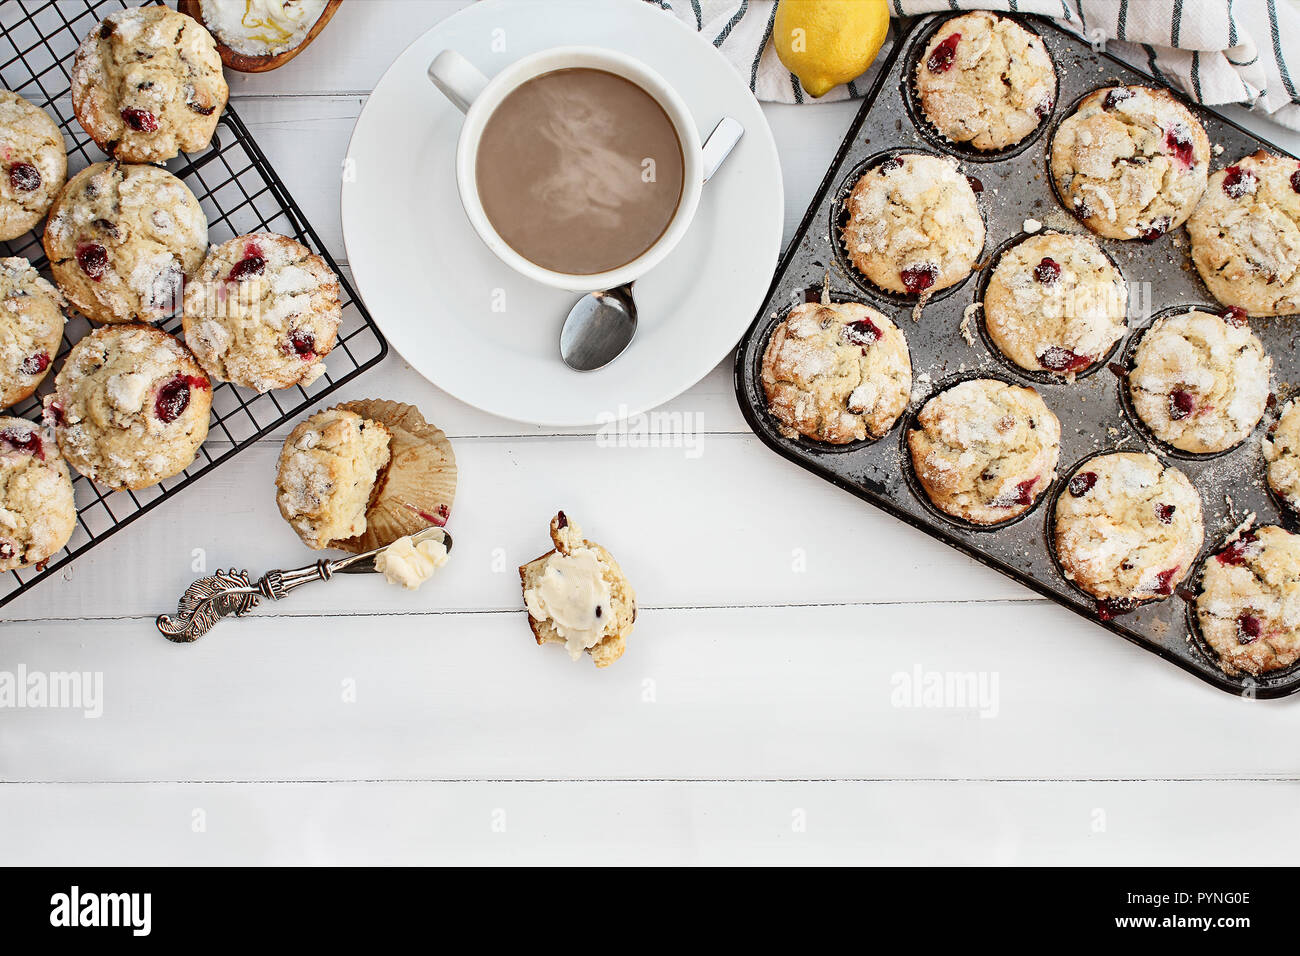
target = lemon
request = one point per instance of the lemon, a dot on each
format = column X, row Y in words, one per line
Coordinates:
column 829, row 42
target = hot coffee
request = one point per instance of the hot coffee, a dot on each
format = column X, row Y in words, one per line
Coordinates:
column 579, row 170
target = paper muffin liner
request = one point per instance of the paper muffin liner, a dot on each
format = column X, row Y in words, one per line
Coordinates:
column 416, row 488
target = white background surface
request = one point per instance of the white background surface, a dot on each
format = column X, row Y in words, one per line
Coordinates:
column 752, row 719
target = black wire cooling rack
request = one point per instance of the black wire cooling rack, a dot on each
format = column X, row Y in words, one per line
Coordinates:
column 239, row 192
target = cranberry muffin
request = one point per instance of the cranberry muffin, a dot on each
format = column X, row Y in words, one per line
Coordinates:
column 122, row 240
column 1282, row 453
column 1249, row 606
column 263, row 311
column 31, row 329
column 1055, row 303
column 329, row 468
column 578, row 596
column 147, row 84
column 1246, row 235
column 1200, row 382
column 836, row 372
column 985, row 80
column 130, row 406
column 37, row 513
column 914, row 226
column 33, row 164
column 1130, row 162
column 984, row 450
column 1128, row 528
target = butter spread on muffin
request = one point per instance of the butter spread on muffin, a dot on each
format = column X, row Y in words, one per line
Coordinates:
column 577, row 596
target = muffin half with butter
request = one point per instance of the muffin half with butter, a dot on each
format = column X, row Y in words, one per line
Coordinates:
column 576, row 595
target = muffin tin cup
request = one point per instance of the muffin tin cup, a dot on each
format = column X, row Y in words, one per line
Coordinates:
column 1159, row 445
column 1049, row 533
column 1191, row 587
column 839, row 217
column 1091, row 409
column 919, row 39
column 813, row 294
column 1039, row 376
column 910, row 424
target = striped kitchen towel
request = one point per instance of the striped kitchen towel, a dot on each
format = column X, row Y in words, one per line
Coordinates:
column 1214, row 51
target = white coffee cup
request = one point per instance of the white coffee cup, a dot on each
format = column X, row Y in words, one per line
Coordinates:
column 477, row 96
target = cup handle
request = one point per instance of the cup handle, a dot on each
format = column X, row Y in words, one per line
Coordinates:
column 459, row 79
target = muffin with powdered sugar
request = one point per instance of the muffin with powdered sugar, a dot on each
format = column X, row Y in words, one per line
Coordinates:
column 1130, row 162
column 1249, row 606
column 1199, row 381
column 263, row 311
column 1246, row 235
column 984, row 451
column 836, row 372
column 1055, row 303
column 38, row 514
column 914, row 226
column 33, row 164
column 130, row 406
column 147, row 84
column 985, row 80
column 31, row 329
column 122, row 240
column 1128, row 528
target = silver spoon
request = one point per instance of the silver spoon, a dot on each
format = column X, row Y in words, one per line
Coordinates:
column 602, row 324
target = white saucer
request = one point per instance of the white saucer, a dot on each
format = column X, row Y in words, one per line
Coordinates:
column 479, row 330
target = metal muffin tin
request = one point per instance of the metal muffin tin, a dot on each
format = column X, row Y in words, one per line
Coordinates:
column 1094, row 411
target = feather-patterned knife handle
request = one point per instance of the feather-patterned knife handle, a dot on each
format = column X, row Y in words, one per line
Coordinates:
column 230, row 594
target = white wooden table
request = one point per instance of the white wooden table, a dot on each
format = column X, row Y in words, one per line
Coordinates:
column 760, row 713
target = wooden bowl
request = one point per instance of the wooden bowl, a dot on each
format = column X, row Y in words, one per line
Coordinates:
column 267, row 61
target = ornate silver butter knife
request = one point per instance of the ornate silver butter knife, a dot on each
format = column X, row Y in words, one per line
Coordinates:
column 233, row 593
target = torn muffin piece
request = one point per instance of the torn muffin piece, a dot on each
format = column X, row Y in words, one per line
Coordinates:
column 576, row 595
column 329, row 466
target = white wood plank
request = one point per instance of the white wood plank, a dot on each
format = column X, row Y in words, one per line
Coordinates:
column 642, row 823
column 734, row 526
column 791, row 693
